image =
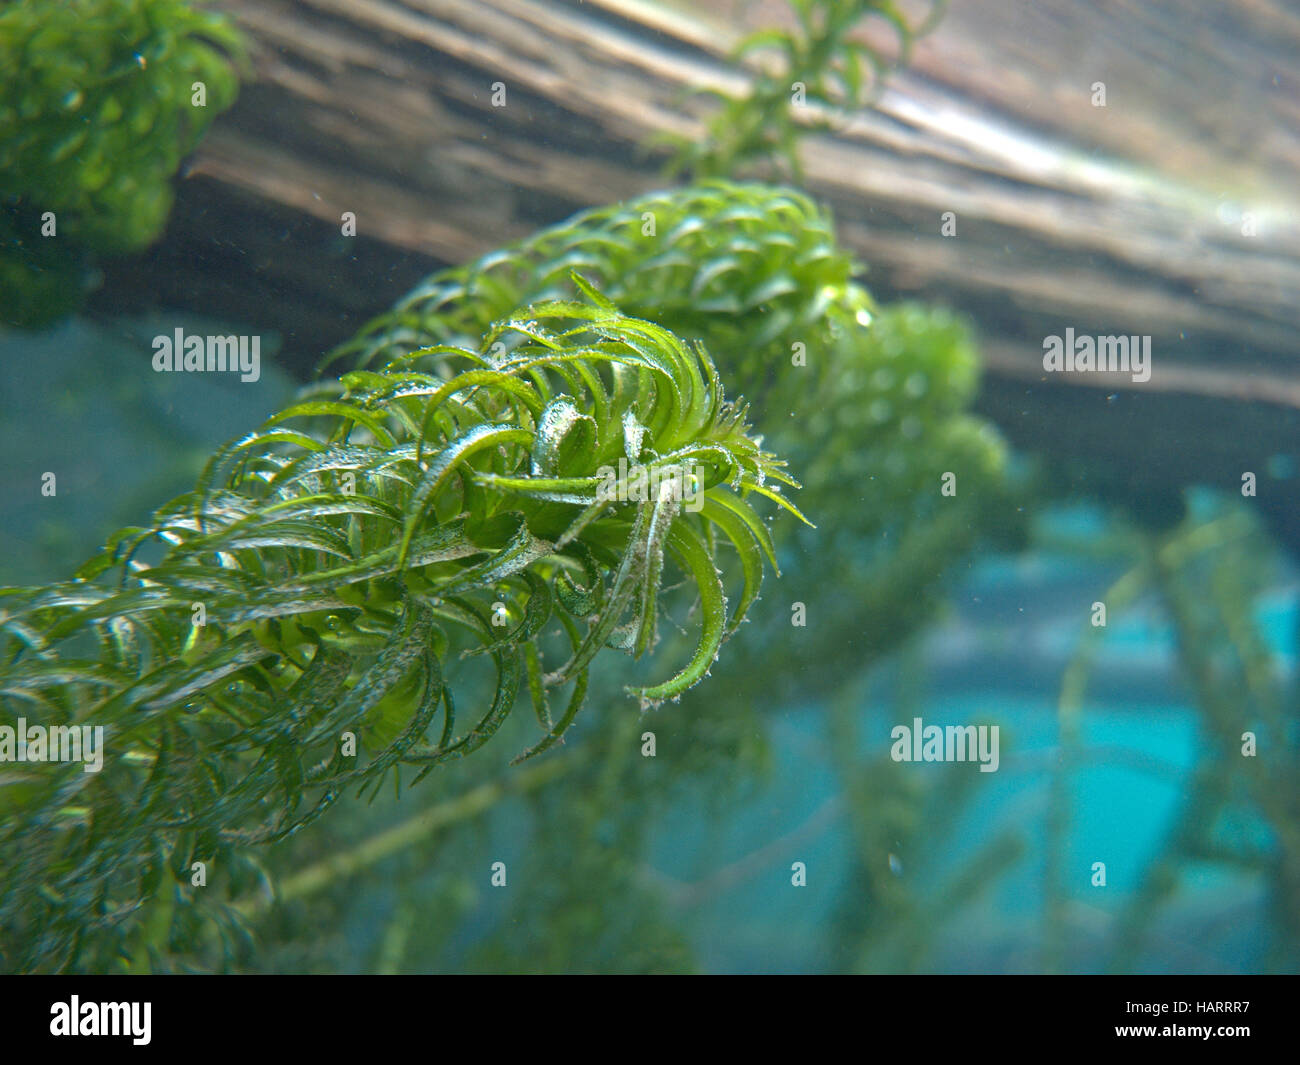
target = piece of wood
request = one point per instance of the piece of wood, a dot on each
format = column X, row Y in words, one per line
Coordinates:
column 1123, row 219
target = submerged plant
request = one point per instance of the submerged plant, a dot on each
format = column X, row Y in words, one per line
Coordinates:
column 1237, row 805
column 442, row 517
column 743, row 265
column 100, row 102
column 820, row 63
column 869, row 403
column 326, row 569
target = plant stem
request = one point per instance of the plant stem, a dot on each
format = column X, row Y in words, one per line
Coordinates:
column 424, row 824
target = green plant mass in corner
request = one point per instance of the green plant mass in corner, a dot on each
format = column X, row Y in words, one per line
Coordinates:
column 100, row 102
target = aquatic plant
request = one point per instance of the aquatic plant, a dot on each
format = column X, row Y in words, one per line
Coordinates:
column 898, row 382
column 1237, row 804
column 876, row 412
column 328, row 566
column 99, row 104
column 820, row 63
column 439, row 511
column 904, row 885
column 742, row 264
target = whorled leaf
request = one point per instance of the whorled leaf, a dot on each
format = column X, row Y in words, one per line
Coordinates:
column 321, row 584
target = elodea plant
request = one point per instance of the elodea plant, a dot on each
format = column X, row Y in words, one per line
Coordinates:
column 290, row 629
column 870, row 403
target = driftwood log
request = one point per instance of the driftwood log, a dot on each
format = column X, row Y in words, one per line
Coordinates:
column 1172, row 211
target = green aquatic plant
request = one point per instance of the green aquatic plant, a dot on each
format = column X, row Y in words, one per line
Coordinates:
column 326, row 570
column 755, row 273
column 443, row 517
column 869, row 403
column 876, row 409
column 821, row 63
column 100, row 102
column 1237, row 807
column 742, row 265
column 904, row 885
column 444, row 498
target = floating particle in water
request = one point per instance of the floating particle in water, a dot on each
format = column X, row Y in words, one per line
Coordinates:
column 895, row 866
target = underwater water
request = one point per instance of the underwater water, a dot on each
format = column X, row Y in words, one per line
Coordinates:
column 1037, row 715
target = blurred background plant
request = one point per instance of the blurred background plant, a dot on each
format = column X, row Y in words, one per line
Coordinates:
column 100, row 102
column 819, row 69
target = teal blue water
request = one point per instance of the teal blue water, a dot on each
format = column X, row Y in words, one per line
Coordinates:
column 1123, row 801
